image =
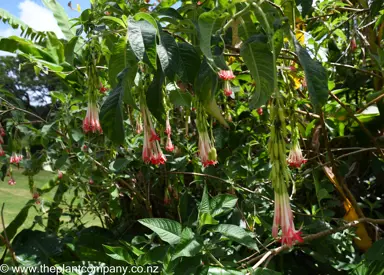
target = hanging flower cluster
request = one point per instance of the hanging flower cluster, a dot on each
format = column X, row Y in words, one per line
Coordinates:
column 11, row 181
column 152, row 152
column 207, row 150
column 295, row 158
column 280, row 177
column 169, row 145
column 16, row 158
column 91, row 121
column 227, row 76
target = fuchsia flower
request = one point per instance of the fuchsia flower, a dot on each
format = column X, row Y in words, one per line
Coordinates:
column 139, row 126
column 152, row 152
column 284, row 219
column 227, row 76
column 168, row 130
column 260, row 111
column 169, row 146
column 2, row 132
column 91, row 181
column 295, row 158
column 11, row 181
column 91, row 121
column 59, row 174
column 207, row 151
column 15, row 158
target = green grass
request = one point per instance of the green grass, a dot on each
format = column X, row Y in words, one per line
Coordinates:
column 15, row 198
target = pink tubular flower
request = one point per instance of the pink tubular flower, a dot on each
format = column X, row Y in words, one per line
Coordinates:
column 152, row 152
column 15, row 158
column 284, row 219
column 295, row 158
column 139, row 126
column 11, row 181
column 227, row 76
column 207, row 151
column 59, row 174
column 168, row 129
column 169, row 146
column 2, row 132
column 91, row 121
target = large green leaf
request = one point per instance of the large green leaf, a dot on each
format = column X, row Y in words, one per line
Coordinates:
column 119, row 253
column 315, row 76
column 61, row 17
column 155, row 96
column 16, row 23
column 209, row 23
column 168, row 53
column 237, row 234
column 111, row 115
column 35, row 247
column 189, row 245
column 18, row 221
column 190, row 62
column 259, row 59
column 222, row 203
column 168, row 230
column 69, row 49
column 55, row 48
column 142, row 39
column 14, row 43
column 121, row 58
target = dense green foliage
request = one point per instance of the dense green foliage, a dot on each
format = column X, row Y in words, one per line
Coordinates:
column 243, row 85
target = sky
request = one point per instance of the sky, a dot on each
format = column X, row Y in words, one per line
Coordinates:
column 34, row 14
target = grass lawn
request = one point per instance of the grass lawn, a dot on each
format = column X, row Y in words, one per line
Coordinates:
column 15, row 198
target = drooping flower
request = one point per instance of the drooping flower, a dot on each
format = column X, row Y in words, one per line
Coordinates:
column 11, row 181
column 227, row 76
column 59, row 174
column 139, row 126
column 283, row 218
column 207, row 150
column 103, row 89
column 152, row 152
column 280, row 177
column 2, row 131
column 295, row 158
column 15, row 158
column 260, row 111
column 91, row 181
column 91, row 121
column 168, row 129
column 2, row 153
column 169, row 146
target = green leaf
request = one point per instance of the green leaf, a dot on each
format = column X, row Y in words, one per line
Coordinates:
column 376, row 251
column 155, row 97
column 69, row 50
column 119, row 253
column 315, row 76
column 35, row 247
column 190, row 62
column 61, row 17
column 205, row 83
column 15, row 23
column 121, row 58
column 142, row 39
column 213, row 109
column 222, row 203
column 111, row 116
column 209, row 23
column 168, row 53
column 55, row 48
column 17, row 222
column 168, row 230
column 115, row 19
column 259, row 59
column 171, row 12
column 179, row 98
column 128, row 77
column 189, row 246
column 167, row 3
column 236, row 234
column 204, row 206
column 206, row 219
